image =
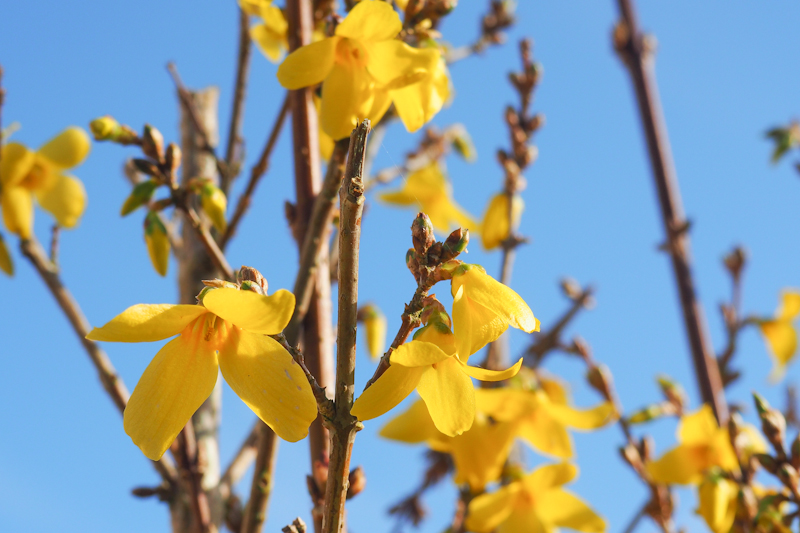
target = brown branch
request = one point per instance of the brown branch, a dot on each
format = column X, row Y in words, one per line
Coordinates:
column 344, row 425
column 239, row 91
column 187, row 453
column 638, row 57
column 551, row 339
column 255, row 513
column 211, row 246
column 256, row 173
column 112, row 383
column 240, row 462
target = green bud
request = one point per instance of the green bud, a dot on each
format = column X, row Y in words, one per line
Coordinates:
column 761, row 404
column 108, row 129
column 155, row 235
column 463, row 145
column 214, row 204
column 455, row 244
column 422, row 234
column 651, row 412
column 153, row 143
column 768, row 462
column 141, row 194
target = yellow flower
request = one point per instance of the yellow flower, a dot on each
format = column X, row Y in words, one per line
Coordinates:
column 6, row 265
column 375, row 329
column 718, row 499
column 478, row 454
column 270, row 35
column 535, row 503
column 495, row 227
column 703, row 445
column 214, row 204
column 359, row 67
column 780, row 334
column 326, row 143
column 430, row 364
column 418, row 103
column 226, row 331
column 155, row 236
column 428, row 190
column 542, row 416
column 484, row 308
column 25, row 174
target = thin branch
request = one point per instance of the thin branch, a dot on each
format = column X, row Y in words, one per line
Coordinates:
column 344, row 425
column 551, row 339
column 241, row 461
column 641, row 513
column 637, row 55
column 256, row 173
column 255, row 514
column 214, row 252
column 187, row 452
column 112, row 383
column 239, row 91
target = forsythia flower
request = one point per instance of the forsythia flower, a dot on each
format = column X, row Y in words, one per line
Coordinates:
column 361, row 69
column 429, row 191
column 227, row 331
column 703, row 445
column 430, row 364
column 484, row 308
column 542, row 416
column 25, row 174
column 374, row 328
column 494, row 227
column 780, row 334
column 478, row 454
column 535, row 503
column 155, row 236
column 270, row 35
column 718, row 500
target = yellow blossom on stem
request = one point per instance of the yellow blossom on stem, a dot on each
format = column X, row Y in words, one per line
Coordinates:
column 429, row 191
column 703, row 445
column 375, row 329
column 478, row 454
column 431, row 365
column 483, row 308
column 717, row 501
column 155, row 236
column 535, row 503
column 226, row 331
column 542, row 416
column 495, row 227
column 270, row 35
column 6, row 265
column 780, row 333
column 25, row 174
column 214, row 204
column 359, row 67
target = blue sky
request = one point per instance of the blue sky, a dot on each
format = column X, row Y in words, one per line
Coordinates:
column 726, row 73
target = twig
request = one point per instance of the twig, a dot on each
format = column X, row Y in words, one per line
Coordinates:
column 638, row 57
column 344, row 425
column 187, row 452
column 205, row 140
column 636, row 518
column 256, row 173
column 214, row 252
column 112, row 383
column 297, row 526
column 54, row 239
column 241, row 461
column 551, row 339
column 239, row 91
column 255, row 513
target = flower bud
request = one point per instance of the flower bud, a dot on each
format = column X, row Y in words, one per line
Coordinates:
column 651, row 412
column 767, row 462
column 796, row 452
column 422, row 234
column 253, row 278
column 375, row 328
column 717, row 498
column 155, row 235
column 462, row 143
column 153, row 143
column 456, row 243
column 672, row 391
column 599, row 378
column 173, row 158
column 214, row 204
column 412, row 262
column 571, row 288
column 789, row 477
column 6, row 265
column 108, row 129
column 140, row 195
column 357, row 480
column 735, row 261
column 773, row 423
column 495, row 227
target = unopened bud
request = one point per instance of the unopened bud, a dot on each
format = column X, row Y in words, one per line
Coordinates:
column 767, row 462
column 570, row 288
column 141, row 194
column 735, row 261
column 673, row 392
column 173, row 158
column 251, row 279
column 651, row 412
column 108, row 129
column 153, row 143
column 462, row 144
column 796, row 452
column 599, row 378
column 357, row 480
column 789, row 477
column 155, row 235
column 412, row 262
column 646, row 447
column 214, row 205
column 455, row 243
column 422, row 234
column 773, row 423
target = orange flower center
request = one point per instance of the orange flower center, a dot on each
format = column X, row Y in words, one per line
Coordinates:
column 350, row 52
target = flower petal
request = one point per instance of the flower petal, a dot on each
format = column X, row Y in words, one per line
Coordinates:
column 484, row 374
column 475, row 326
column 347, row 96
column 561, row 508
column 546, row 434
column 677, row 466
column 417, row 353
column 498, row 297
column 391, row 388
column 450, row 397
column 391, row 61
column 16, row 162
column 548, row 477
column 370, row 21
column 480, row 453
column 308, row 65
column 65, row 200
column 505, row 404
column 147, row 323
column 270, row 44
column 790, row 305
column 413, row 426
column 489, row 510
column 698, row 427
column 583, row 419
column 524, row 518
column 254, row 312
column 781, row 338
column 17, row 204
column 269, row 381
column 67, row 149
column 176, row 382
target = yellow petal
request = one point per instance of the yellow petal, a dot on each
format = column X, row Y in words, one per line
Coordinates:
column 147, row 323
column 489, row 510
column 505, row 404
column 717, row 503
column 677, row 466
column 256, row 313
column 555, row 389
column 157, row 241
column 6, row 265
column 65, row 200
column 698, row 427
column 375, row 326
column 17, row 204
column 437, row 332
column 583, row 419
column 781, row 338
column 15, row 163
column 413, row 426
column 390, row 60
column 308, row 65
column 524, row 518
column 546, row 434
column 485, row 374
column 449, row 395
column 548, row 477
column 495, row 225
column 270, row 43
column 67, row 149
column 370, row 21
column 480, row 453
column 252, row 7
column 176, row 382
column 446, row 214
column 417, row 353
column 560, row 508
column 347, row 96
column 269, row 381
column 790, row 305
column 389, row 390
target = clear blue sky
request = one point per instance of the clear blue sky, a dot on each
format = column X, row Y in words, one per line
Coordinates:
column 726, row 71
